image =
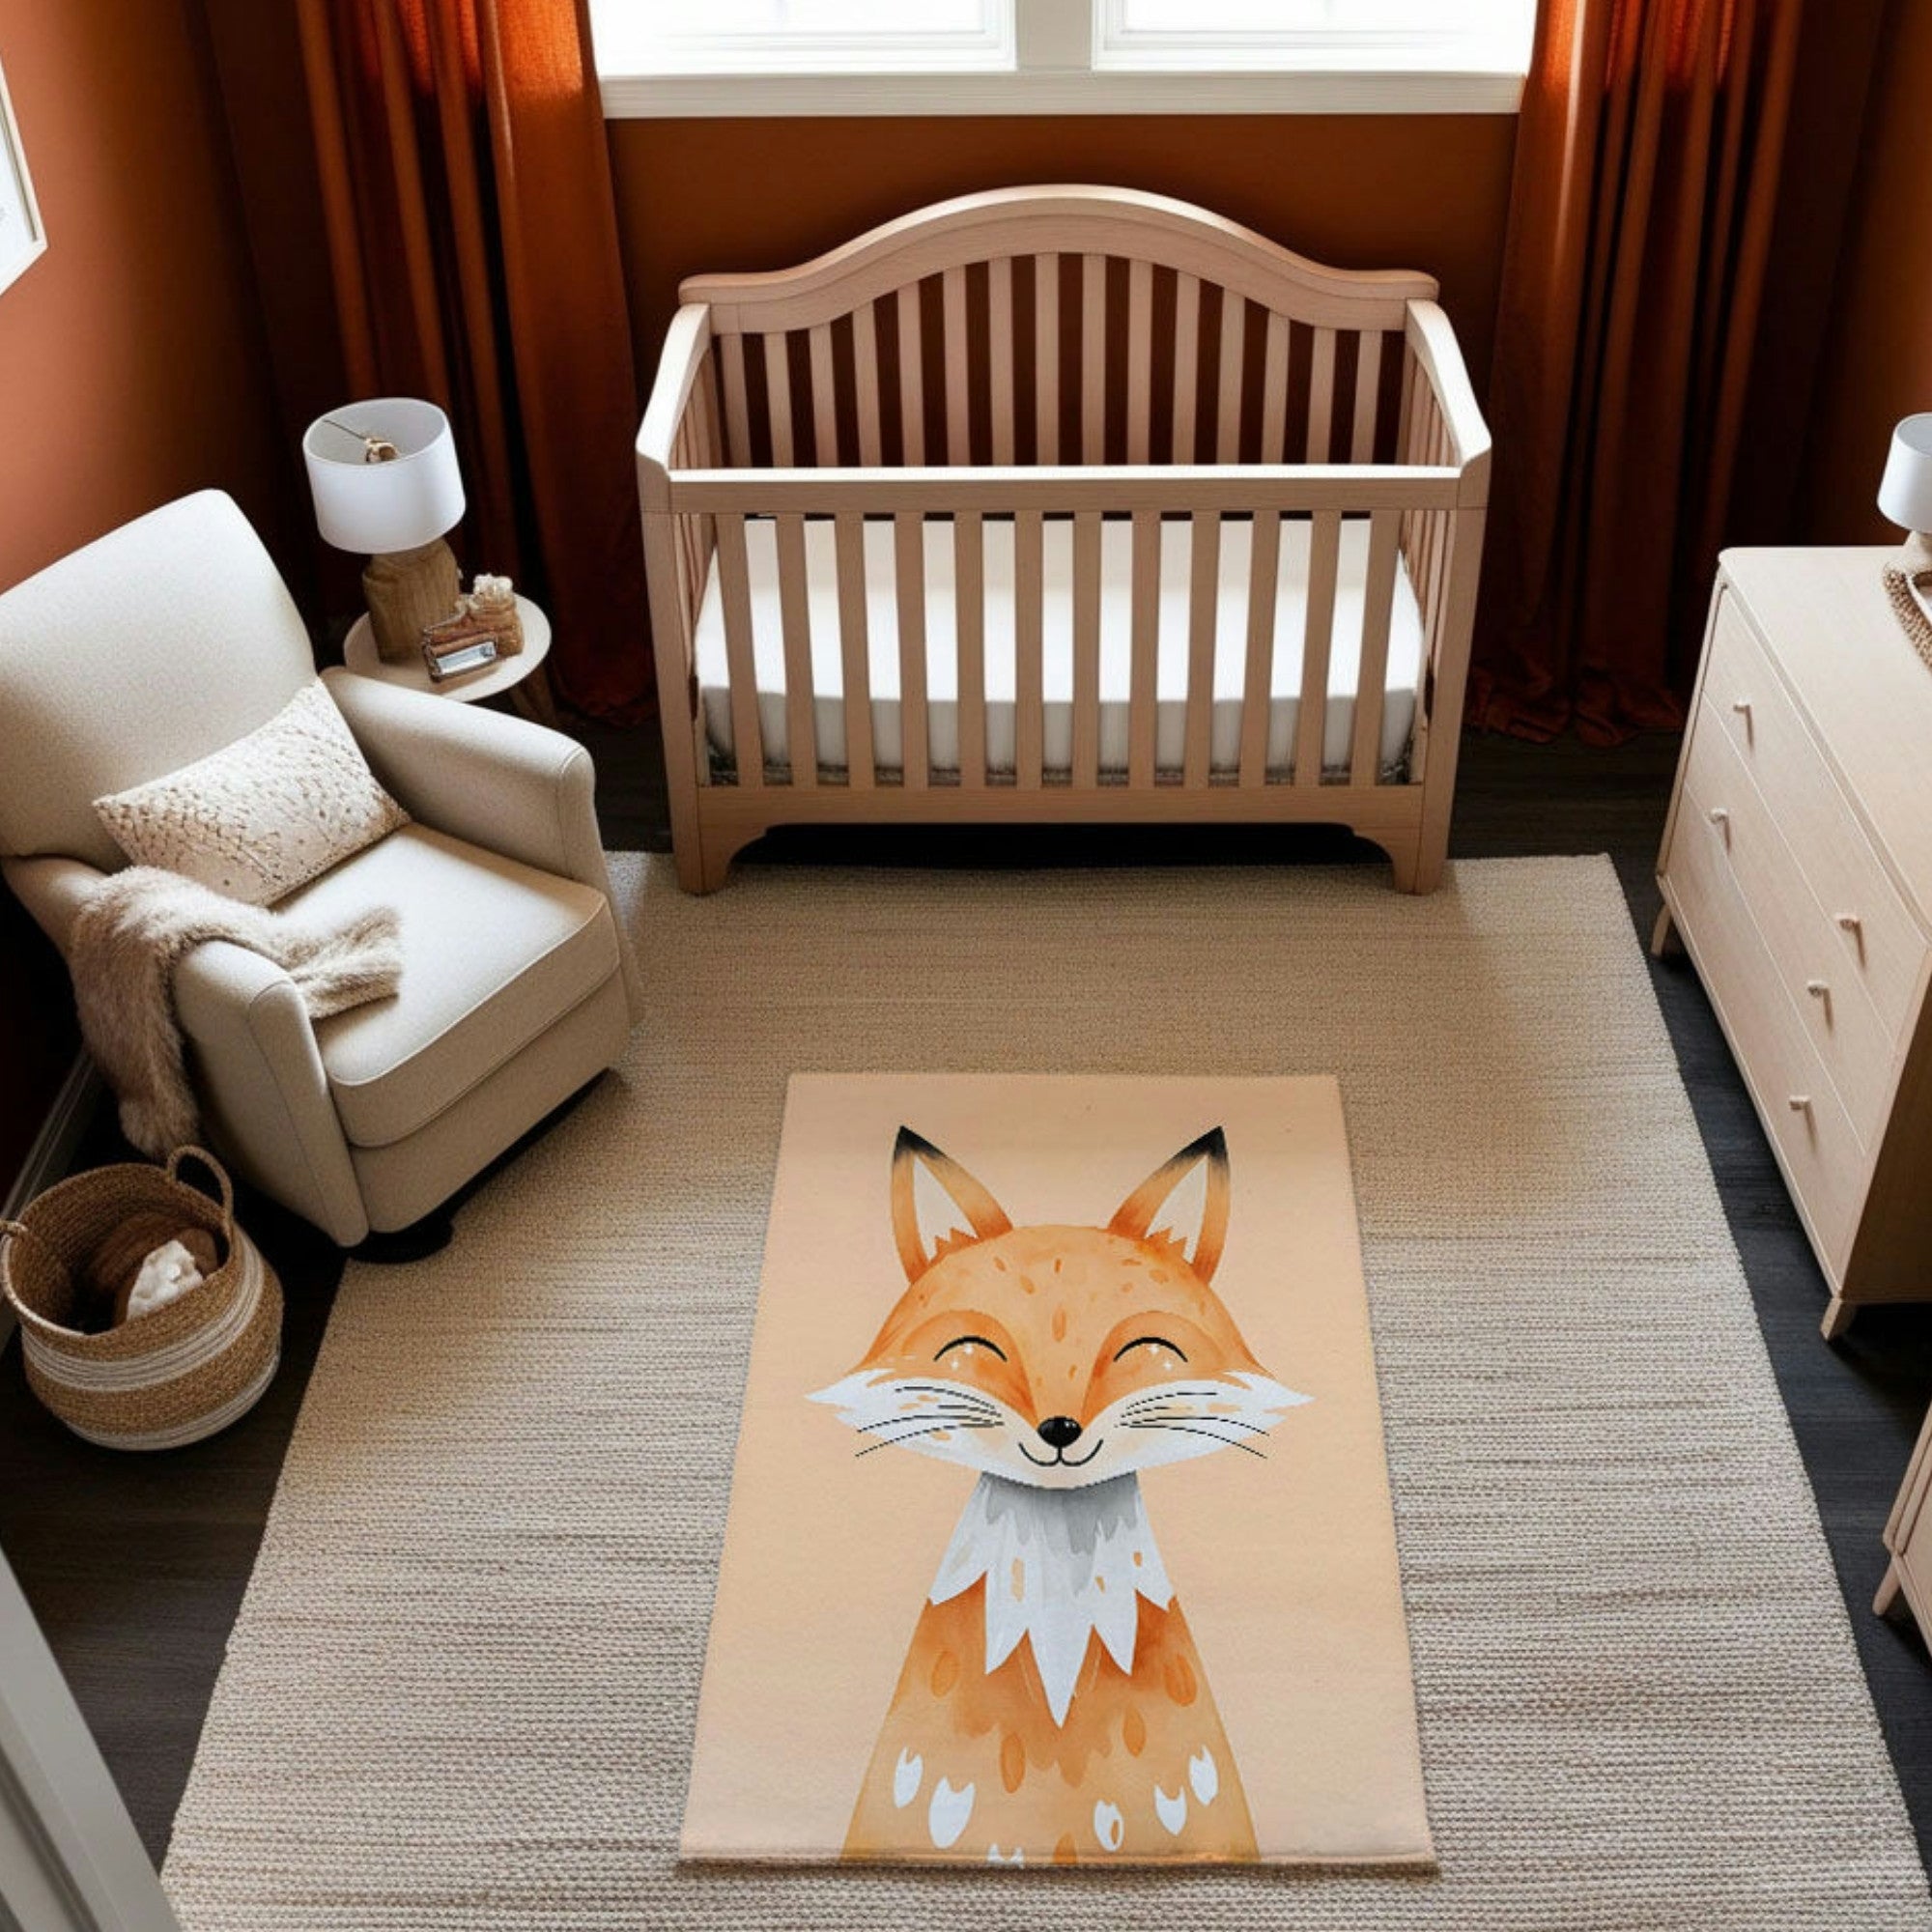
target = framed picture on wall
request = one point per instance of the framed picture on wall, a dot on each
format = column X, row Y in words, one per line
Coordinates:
column 22, row 238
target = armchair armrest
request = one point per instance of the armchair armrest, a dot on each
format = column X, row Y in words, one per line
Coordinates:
column 259, row 1073
column 53, row 888
column 498, row 782
column 513, row 788
column 263, row 1089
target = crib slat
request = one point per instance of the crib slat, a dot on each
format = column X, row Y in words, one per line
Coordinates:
column 795, row 620
column 1405, row 417
column 969, row 577
column 1046, row 356
column 1203, row 610
column 1186, row 363
column 909, row 566
column 1234, row 354
column 953, row 308
column 854, row 649
column 1092, row 358
column 1368, row 390
column 737, row 408
column 1275, row 390
column 734, row 585
column 866, row 376
column 1029, row 572
column 1312, row 722
column 824, row 398
column 1365, row 748
column 1258, row 682
column 1146, row 644
column 999, row 342
column 912, row 379
column 1321, row 395
column 1140, row 357
column 777, row 392
column 1086, row 648
column 708, row 411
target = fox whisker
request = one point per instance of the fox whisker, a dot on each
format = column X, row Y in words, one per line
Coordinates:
column 1175, row 1391
column 935, row 1415
column 949, row 1391
column 932, row 1429
column 1191, row 1415
column 1213, row 1434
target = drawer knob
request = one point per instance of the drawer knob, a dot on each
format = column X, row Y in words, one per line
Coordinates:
column 1851, row 922
column 1819, row 989
column 1801, row 1103
column 1742, row 706
column 1719, row 815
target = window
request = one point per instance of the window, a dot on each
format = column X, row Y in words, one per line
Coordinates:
column 750, row 57
column 1286, row 34
column 803, row 36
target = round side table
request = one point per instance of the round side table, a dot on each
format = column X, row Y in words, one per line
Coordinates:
column 521, row 677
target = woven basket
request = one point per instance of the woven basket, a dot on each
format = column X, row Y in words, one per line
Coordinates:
column 191, row 1368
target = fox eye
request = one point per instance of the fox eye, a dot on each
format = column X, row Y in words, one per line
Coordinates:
column 970, row 1342
column 1149, row 1342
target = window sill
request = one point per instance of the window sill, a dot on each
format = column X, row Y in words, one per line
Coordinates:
column 644, row 97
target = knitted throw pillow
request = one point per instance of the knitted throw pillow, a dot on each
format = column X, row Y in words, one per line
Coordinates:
column 264, row 814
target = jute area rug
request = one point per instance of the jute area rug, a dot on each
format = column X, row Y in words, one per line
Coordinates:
column 461, row 1687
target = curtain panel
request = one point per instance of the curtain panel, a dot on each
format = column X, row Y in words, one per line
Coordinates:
column 474, row 249
column 1650, row 150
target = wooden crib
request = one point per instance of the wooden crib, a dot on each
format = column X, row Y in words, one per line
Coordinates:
column 1062, row 503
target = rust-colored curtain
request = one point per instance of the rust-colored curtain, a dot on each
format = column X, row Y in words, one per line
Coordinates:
column 472, row 239
column 1648, row 156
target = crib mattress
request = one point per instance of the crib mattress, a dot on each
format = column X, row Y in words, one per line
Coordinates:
column 1404, row 665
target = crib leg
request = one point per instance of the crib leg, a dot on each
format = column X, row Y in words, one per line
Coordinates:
column 689, row 858
column 719, row 849
column 1416, row 864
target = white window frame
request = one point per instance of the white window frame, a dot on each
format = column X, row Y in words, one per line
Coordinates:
column 1069, row 57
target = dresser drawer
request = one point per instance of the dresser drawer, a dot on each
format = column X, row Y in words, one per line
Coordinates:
column 1852, row 1042
column 1876, row 940
column 1821, row 1155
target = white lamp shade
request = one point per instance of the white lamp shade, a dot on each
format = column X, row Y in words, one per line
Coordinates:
column 380, row 507
column 1905, row 495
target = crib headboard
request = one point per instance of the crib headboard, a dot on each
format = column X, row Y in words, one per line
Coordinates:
column 1057, row 324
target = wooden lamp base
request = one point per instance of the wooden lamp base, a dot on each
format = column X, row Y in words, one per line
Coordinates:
column 407, row 590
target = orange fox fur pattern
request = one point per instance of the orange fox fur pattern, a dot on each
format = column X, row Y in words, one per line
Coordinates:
column 1053, row 1706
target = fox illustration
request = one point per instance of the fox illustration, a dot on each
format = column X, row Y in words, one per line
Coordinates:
column 1053, row 1706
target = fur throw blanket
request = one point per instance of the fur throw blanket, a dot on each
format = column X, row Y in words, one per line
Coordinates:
column 136, row 926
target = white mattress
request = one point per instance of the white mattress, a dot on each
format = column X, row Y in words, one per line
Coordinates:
column 1405, row 652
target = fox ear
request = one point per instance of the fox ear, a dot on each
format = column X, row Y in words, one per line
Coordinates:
column 1140, row 1209
column 984, row 1215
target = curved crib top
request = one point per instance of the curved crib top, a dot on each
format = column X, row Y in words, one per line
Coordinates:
column 1069, row 219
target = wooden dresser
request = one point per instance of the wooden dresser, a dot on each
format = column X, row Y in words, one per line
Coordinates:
column 1796, row 869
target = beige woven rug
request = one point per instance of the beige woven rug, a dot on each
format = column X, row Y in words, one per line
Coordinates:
column 461, row 1690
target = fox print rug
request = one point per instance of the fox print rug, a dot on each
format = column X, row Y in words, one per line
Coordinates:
column 1060, row 1531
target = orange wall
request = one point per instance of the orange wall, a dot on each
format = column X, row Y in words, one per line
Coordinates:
column 1877, row 362
column 1413, row 191
column 131, row 367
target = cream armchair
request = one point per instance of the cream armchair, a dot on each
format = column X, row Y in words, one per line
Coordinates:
column 174, row 636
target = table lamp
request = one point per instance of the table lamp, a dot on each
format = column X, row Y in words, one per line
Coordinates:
column 386, row 482
column 1905, row 496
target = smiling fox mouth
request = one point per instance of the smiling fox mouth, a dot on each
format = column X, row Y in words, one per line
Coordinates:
column 1060, row 1458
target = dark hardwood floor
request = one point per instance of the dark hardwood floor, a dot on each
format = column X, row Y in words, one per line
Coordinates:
column 136, row 1566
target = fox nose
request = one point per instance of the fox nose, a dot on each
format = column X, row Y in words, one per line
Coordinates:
column 1059, row 1432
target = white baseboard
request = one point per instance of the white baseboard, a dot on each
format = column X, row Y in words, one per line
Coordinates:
column 53, row 1150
